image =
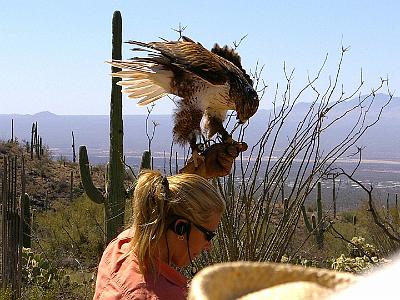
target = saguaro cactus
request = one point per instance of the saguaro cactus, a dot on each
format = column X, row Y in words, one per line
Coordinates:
column 32, row 138
column 116, row 193
column 316, row 226
column 114, row 199
column 73, row 148
column 26, row 225
column 12, row 130
column 334, row 196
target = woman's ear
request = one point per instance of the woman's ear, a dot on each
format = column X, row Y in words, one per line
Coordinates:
column 181, row 227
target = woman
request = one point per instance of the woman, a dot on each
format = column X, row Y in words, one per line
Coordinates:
column 174, row 220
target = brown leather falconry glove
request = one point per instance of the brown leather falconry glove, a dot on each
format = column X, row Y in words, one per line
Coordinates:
column 217, row 162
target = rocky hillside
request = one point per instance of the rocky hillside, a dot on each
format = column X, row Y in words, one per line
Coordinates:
column 47, row 180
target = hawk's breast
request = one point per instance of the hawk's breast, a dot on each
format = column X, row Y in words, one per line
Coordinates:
column 216, row 97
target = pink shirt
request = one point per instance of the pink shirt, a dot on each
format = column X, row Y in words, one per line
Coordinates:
column 118, row 276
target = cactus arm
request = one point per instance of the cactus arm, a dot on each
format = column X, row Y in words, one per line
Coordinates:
column 91, row 191
column 306, row 221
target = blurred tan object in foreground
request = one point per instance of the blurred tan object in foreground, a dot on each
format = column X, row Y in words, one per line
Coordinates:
column 383, row 283
column 255, row 280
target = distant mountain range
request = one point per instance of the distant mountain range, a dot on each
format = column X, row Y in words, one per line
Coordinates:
column 382, row 141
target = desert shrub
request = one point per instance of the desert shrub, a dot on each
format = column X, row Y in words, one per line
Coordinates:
column 37, row 270
column 5, row 293
column 367, row 227
column 71, row 233
column 42, row 280
column 360, row 258
column 359, row 247
column 347, row 216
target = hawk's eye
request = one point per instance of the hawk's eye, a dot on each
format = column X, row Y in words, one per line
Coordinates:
column 250, row 92
column 248, row 89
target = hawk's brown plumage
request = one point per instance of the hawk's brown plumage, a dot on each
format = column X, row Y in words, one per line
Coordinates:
column 209, row 83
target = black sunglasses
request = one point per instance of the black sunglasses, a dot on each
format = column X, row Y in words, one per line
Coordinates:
column 208, row 234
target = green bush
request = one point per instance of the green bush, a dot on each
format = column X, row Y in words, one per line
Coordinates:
column 37, row 270
column 72, row 233
column 42, row 280
column 347, row 216
column 361, row 257
column 5, row 293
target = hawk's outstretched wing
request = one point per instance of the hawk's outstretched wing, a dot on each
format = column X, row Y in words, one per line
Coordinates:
column 209, row 82
column 188, row 56
column 167, row 61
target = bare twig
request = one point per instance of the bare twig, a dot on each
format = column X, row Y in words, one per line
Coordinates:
column 237, row 44
column 150, row 137
column 180, row 30
column 384, row 225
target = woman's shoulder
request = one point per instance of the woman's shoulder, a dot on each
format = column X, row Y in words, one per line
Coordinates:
column 119, row 274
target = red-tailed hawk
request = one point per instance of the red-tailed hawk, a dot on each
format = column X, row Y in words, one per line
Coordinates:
column 208, row 83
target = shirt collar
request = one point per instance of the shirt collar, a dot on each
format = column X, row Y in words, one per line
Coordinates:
column 172, row 275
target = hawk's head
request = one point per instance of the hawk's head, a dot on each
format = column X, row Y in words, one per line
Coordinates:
column 242, row 91
column 247, row 103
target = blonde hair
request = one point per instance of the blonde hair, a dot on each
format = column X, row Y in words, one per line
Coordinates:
column 158, row 200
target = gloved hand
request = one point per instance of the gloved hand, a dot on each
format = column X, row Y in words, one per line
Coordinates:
column 217, row 162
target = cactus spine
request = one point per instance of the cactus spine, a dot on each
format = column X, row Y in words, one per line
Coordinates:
column 316, row 226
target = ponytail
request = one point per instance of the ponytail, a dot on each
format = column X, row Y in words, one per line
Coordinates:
column 149, row 214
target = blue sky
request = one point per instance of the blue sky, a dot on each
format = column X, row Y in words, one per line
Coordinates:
column 52, row 53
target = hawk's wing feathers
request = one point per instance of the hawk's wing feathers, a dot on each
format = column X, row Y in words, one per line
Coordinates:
column 179, row 67
column 143, row 81
column 231, row 55
column 187, row 56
